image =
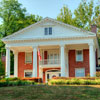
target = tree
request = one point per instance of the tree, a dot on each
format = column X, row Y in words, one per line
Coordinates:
column 65, row 15
column 84, row 14
column 14, row 18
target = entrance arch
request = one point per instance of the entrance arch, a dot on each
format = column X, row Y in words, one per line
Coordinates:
column 49, row 74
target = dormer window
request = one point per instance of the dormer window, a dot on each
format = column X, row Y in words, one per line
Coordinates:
column 48, row 31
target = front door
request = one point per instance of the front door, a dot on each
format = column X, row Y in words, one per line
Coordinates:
column 50, row 75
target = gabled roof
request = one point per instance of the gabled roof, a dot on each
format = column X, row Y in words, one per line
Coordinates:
column 47, row 19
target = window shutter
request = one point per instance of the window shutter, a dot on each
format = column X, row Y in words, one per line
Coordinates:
column 50, row 30
column 46, row 31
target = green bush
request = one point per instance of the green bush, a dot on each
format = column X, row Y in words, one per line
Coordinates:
column 74, row 82
column 12, row 79
column 97, row 74
column 15, row 82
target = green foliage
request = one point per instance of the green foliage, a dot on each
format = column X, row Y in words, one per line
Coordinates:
column 74, row 82
column 15, row 82
column 86, row 14
column 2, row 68
column 65, row 15
column 97, row 74
column 14, row 18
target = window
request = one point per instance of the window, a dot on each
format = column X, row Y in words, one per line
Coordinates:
column 53, row 58
column 80, row 72
column 28, row 57
column 28, row 73
column 48, row 31
column 79, row 55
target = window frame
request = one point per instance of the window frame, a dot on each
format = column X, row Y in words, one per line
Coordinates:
column 26, row 62
column 77, row 58
column 47, row 31
column 28, row 71
column 77, row 69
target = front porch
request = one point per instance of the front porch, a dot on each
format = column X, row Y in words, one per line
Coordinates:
column 62, row 57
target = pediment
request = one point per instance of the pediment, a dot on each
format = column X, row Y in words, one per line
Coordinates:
column 59, row 29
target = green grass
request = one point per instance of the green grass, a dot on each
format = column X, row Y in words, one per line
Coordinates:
column 50, row 93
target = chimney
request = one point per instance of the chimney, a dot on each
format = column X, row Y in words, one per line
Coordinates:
column 94, row 29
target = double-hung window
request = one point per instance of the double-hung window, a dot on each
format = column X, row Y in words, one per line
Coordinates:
column 28, row 57
column 48, row 30
column 79, row 55
column 80, row 72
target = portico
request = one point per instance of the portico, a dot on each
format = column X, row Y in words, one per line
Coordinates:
column 67, row 50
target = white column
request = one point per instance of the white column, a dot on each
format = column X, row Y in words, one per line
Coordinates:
column 63, row 72
column 15, row 64
column 41, row 73
column 7, row 62
column 34, row 61
column 92, row 60
column 67, row 64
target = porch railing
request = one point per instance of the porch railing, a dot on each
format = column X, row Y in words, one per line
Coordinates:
column 50, row 62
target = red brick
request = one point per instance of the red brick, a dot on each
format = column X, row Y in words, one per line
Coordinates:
column 73, row 64
column 22, row 66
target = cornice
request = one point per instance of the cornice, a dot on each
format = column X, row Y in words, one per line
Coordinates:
column 47, row 38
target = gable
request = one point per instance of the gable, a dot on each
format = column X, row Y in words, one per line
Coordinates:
column 58, row 30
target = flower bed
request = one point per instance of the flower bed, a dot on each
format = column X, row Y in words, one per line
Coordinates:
column 74, row 81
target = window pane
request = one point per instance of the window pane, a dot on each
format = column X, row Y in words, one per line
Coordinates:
column 28, row 74
column 80, row 72
column 79, row 56
column 55, row 58
column 50, row 30
column 46, row 31
column 28, row 57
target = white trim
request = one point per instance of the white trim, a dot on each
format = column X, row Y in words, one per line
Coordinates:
column 51, row 72
column 52, row 20
column 49, row 43
column 25, row 57
column 7, row 62
column 15, row 64
column 76, row 55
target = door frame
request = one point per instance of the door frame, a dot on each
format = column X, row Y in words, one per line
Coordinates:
column 50, row 73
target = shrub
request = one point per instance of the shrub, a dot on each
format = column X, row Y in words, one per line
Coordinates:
column 12, row 79
column 74, row 82
column 97, row 74
column 15, row 82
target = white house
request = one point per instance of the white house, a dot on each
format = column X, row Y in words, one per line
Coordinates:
column 65, row 50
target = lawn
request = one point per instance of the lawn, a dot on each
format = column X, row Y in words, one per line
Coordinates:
column 50, row 93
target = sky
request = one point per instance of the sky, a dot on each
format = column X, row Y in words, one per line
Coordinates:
column 49, row 8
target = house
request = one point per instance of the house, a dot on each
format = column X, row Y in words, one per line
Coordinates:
column 51, row 48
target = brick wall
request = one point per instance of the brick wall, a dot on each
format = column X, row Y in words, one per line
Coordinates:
column 73, row 64
column 22, row 66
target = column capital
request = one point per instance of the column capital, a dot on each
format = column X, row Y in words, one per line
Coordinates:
column 35, row 46
column 91, row 44
column 62, row 45
column 7, row 48
column 15, row 52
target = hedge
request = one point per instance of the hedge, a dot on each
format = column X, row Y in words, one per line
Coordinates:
column 15, row 82
column 74, row 82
